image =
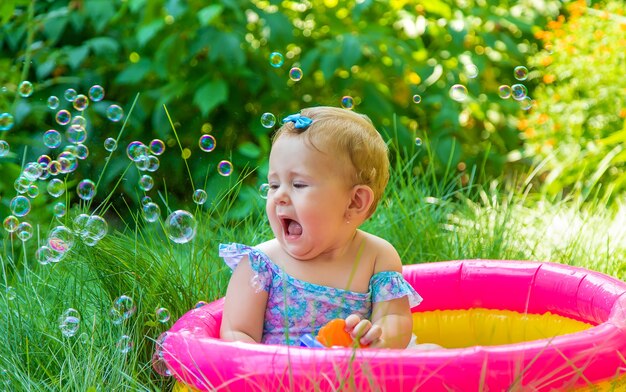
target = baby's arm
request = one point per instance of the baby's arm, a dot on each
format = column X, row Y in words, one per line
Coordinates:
column 244, row 308
column 391, row 325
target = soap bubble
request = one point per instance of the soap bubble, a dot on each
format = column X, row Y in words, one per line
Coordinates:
column 276, row 59
column 67, row 161
column 59, row 209
column 32, row 171
column 151, row 212
column 146, row 182
column 200, row 304
column 417, row 98
column 268, row 120
column 96, row 227
column 295, row 74
column 43, row 255
column 136, row 150
column 70, row 94
column 79, row 223
column 180, row 226
column 76, row 134
column 347, row 102
column 162, row 315
column 518, row 91
column 43, row 161
column 4, row 148
column 81, row 102
column 520, row 72
column 10, row 223
column 145, row 200
column 24, row 231
column 61, row 239
column 79, row 121
column 526, row 103
column 225, row 168
column 25, row 89
column 20, row 206
column 504, row 91
column 458, row 92
column 86, row 189
column 256, row 283
column 11, row 294
column 52, row 138
column 110, row 144
column 69, row 322
column 21, row 184
column 207, row 143
column 96, row 93
column 153, row 163
column 264, row 190
column 200, row 196
column 115, row 113
column 157, row 147
column 418, row 142
column 124, row 344
column 82, row 151
column 6, row 121
column 471, row 71
column 63, row 117
column 53, row 102
column 124, row 306
column 32, row 191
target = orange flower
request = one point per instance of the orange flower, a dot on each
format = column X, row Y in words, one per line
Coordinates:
column 622, row 113
column 529, row 132
column 542, row 118
column 548, row 78
column 546, row 61
column 522, row 124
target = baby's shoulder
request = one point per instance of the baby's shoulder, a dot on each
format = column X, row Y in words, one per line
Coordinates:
column 386, row 256
column 271, row 249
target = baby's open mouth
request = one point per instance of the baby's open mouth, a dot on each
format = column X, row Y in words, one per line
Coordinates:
column 291, row 227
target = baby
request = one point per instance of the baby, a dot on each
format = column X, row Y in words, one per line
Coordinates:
column 328, row 168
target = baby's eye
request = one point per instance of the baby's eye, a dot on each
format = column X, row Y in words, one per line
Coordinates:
column 299, row 185
column 273, row 186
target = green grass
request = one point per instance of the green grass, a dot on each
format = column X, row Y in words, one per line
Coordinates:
column 426, row 219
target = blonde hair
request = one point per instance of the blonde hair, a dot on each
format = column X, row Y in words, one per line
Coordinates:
column 350, row 135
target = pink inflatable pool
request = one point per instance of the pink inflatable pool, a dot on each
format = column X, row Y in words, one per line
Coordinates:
column 193, row 353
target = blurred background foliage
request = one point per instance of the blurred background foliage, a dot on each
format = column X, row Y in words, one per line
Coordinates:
column 576, row 135
column 207, row 63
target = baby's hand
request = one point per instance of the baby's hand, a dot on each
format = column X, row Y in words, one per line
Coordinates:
column 363, row 330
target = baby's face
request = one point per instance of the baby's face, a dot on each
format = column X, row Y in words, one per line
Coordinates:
column 308, row 198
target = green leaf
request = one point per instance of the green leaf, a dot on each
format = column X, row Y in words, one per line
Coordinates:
column 207, row 15
column 328, row 64
column 103, row 46
column 54, row 24
column 135, row 73
column 437, row 7
column 351, row 50
column 100, row 12
column 210, row 95
column 76, row 55
column 6, row 10
column 148, row 31
column 249, row 149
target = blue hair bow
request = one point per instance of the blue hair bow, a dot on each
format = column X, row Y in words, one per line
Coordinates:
column 301, row 122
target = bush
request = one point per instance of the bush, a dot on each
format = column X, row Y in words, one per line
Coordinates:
column 576, row 132
column 208, row 64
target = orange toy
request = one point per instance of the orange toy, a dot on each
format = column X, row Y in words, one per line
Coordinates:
column 334, row 334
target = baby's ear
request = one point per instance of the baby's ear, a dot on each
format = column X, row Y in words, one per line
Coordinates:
column 360, row 202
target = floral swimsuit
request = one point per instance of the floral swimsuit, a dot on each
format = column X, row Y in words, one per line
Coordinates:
column 295, row 307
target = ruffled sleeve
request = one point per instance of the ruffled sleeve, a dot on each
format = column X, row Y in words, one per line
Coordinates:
column 233, row 253
column 388, row 285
